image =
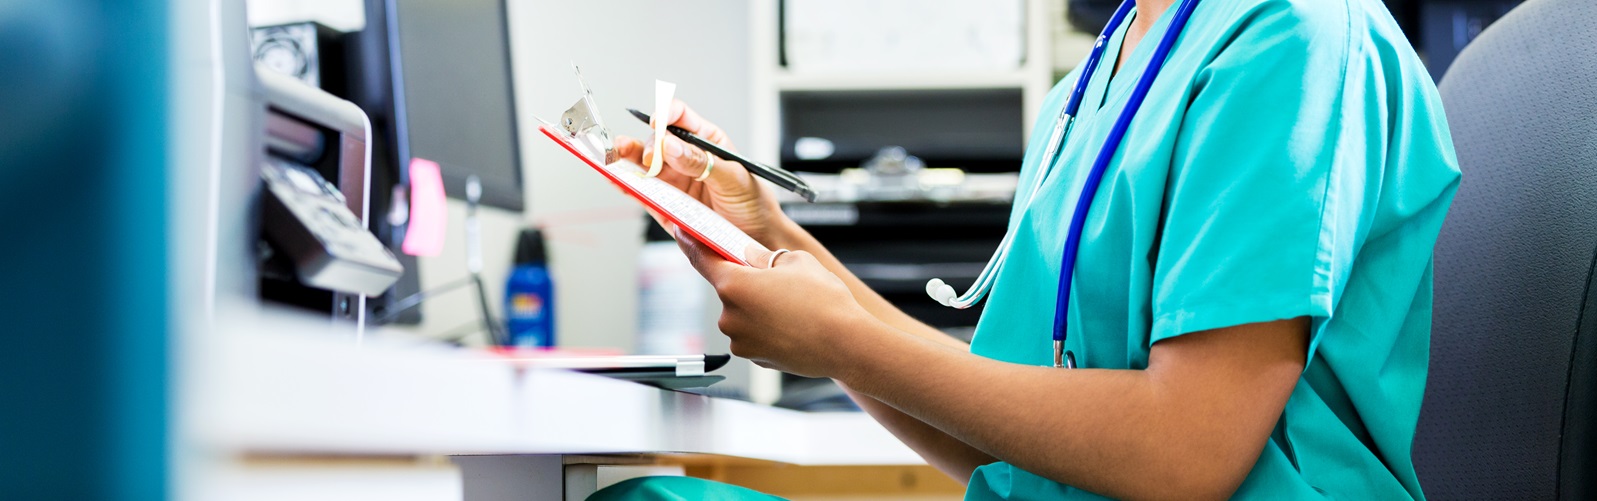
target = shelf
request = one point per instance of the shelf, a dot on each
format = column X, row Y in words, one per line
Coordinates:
column 911, row 216
column 905, row 80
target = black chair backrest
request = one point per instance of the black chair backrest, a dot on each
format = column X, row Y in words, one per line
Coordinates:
column 1510, row 408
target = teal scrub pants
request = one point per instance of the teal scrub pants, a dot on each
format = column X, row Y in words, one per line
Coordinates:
column 677, row 489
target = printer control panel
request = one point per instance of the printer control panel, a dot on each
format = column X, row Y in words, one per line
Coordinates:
column 306, row 218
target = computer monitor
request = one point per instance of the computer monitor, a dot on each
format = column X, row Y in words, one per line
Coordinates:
column 434, row 76
column 454, row 95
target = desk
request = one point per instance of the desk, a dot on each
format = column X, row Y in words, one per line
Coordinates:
column 256, row 405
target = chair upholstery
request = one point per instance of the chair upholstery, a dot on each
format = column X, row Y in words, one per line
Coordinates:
column 1510, row 409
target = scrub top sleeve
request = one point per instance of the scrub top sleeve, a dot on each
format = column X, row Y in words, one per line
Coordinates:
column 1249, row 231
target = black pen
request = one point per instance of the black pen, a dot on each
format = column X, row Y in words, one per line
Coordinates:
column 787, row 180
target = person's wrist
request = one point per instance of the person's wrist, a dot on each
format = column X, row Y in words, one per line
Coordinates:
column 851, row 335
column 786, row 234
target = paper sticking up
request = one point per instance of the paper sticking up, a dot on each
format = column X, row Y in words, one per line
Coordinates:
column 428, row 210
column 663, row 93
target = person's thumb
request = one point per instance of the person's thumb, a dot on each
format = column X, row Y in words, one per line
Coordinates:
column 704, row 259
column 757, row 255
column 630, row 149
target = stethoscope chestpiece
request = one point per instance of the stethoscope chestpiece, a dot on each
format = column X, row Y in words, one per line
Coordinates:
column 1063, row 359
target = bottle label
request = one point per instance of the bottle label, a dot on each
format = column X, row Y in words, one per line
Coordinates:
column 526, row 306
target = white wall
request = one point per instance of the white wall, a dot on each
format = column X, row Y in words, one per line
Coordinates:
column 346, row 15
column 622, row 46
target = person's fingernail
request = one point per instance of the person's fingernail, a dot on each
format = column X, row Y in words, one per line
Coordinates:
column 673, row 149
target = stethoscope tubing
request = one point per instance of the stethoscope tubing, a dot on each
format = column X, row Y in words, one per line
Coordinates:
column 945, row 294
column 1079, row 90
column 1111, row 146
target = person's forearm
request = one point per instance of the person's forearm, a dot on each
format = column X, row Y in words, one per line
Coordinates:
column 941, row 450
column 948, row 454
column 1120, row 433
column 794, row 237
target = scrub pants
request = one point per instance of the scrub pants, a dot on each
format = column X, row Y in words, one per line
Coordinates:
column 677, row 489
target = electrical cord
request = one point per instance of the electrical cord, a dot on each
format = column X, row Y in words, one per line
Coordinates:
column 388, row 314
column 496, row 331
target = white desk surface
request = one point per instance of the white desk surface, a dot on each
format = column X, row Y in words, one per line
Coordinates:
column 255, row 392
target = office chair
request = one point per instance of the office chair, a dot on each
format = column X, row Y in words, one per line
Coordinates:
column 1510, row 409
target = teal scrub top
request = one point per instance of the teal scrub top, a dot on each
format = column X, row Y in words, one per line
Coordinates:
column 1291, row 160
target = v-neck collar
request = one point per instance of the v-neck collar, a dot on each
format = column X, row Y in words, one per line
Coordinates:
column 1118, row 43
column 1103, row 78
column 1107, row 80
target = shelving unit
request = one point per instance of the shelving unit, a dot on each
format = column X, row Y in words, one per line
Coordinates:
column 787, row 81
column 1048, row 42
column 949, row 240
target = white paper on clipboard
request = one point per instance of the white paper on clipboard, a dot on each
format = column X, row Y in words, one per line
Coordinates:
column 696, row 219
column 686, row 211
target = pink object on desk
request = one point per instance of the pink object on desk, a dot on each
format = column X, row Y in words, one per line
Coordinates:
column 429, row 213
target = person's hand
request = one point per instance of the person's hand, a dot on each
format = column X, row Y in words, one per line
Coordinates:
column 730, row 190
column 788, row 317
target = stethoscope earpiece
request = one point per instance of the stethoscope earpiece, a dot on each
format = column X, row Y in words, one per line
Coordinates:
column 943, row 293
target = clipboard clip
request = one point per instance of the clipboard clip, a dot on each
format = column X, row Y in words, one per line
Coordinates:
column 584, row 128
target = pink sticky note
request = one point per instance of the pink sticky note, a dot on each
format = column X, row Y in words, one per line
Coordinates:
column 429, row 213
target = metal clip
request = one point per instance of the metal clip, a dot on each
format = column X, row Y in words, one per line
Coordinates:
column 582, row 122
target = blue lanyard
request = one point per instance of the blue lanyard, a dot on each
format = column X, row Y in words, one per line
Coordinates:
column 1067, row 266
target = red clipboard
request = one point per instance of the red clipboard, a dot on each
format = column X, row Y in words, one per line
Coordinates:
column 687, row 213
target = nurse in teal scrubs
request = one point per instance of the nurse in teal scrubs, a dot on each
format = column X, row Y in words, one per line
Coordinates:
column 1250, row 311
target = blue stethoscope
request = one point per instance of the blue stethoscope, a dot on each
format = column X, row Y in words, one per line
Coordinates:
column 944, row 293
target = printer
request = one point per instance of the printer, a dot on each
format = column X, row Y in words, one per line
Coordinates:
column 314, row 250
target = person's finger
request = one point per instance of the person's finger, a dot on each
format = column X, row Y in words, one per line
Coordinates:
column 676, row 179
column 670, row 227
column 680, row 156
column 757, row 256
column 648, row 151
column 674, row 174
column 628, row 148
column 685, row 158
column 690, row 161
column 682, row 116
column 704, row 259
